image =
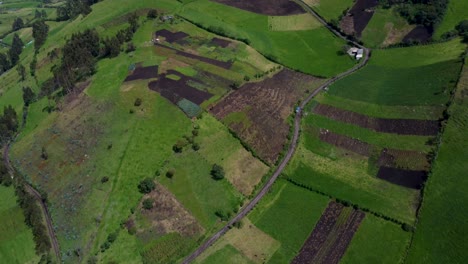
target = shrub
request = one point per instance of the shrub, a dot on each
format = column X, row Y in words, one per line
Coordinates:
column 170, row 173
column 407, row 227
column 153, row 13
column 104, row 179
column 217, row 172
column 146, row 185
column 195, row 146
column 148, row 203
column 138, row 102
column 195, row 132
column 112, row 237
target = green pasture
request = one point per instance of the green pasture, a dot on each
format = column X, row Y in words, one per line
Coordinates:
column 330, row 9
column 16, row 239
column 288, row 214
column 385, row 27
column 442, row 228
column 310, row 51
column 229, row 255
column 455, row 13
column 377, row 241
column 348, row 178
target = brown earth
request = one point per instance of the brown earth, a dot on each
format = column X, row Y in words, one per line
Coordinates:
column 395, row 126
column 361, row 13
column 419, row 34
column 266, row 7
column 331, row 235
column 223, row 64
column 408, row 178
column 171, row 37
column 143, row 73
column 220, row 42
column 403, row 159
column 265, row 105
column 174, row 90
column 345, row 142
column 168, row 215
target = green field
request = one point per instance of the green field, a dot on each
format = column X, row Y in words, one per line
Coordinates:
column 294, row 49
column 288, row 214
column 377, row 241
column 456, row 12
column 330, row 9
column 386, row 27
column 228, row 255
column 16, row 239
column 422, row 75
column 441, row 231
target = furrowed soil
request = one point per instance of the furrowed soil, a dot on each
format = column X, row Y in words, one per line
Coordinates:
column 266, row 7
column 257, row 112
column 419, row 34
column 169, row 36
column 361, row 13
column 143, row 73
column 345, row 142
column 407, row 178
column 395, row 126
column 331, row 236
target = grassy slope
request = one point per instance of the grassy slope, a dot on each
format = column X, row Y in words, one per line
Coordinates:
column 377, row 241
column 330, row 9
column 295, row 49
column 288, row 214
column 442, row 229
column 421, row 75
column 16, row 239
column 228, row 255
column 456, row 12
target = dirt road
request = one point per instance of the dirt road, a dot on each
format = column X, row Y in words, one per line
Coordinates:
column 292, row 148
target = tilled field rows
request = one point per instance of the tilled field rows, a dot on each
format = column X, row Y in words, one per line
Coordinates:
column 395, row 126
column 331, row 236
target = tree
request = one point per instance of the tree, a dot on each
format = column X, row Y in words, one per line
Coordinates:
column 8, row 122
column 4, row 63
column 44, row 14
column 16, row 49
column 40, row 31
column 37, row 14
column 152, row 14
column 148, row 203
column 21, row 71
column 217, row 172
column 146, row 185
column 32, row 66
column 28, row 96
column 17, row 24
column 133, row 21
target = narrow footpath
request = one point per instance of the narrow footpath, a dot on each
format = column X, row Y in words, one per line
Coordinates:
column 294, row 141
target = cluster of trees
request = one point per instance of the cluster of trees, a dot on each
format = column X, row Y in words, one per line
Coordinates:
column 146, row 186
column 17, row 24
column 428, row 13
column 460, row 30
column 9, row 60
column 80, row 55
column 33, row 218
column 5, row 178
column 73, row 8
column 39, row 31
column 8, row 123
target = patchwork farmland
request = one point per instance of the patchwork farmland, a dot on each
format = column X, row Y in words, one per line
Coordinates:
column 221, row 131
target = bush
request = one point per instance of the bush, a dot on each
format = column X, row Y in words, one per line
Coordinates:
column 195, row 146
column 148, row 203
column 217, row 172
column 153, row 13
column 170, row 173
column 407, row 227
column 138, row 102
column 104, row 179
column 179, row 146
column 146, row 186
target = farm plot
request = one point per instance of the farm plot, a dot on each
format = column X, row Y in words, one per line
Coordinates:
column 358, row 17
column 330, row 9
column 219, row 42
column 142, row 73
column 169, row 36
column 257, row 112
column 293, row 23
column 351, row 144
column 266, row 7
column 331, row 236
column 419, row 34
column 406, row 178
column 396, row 126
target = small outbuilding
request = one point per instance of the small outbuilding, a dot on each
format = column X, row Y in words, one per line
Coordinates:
column 359, row 54
column 356, row 53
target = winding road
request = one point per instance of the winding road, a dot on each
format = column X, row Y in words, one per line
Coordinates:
column 292, row 147
column 38, row 197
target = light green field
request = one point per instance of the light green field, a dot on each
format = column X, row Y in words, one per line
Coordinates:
column 386, row 27
column 228, row 255
column 288, row 214
column 422, row 75
column 16, row 239
column 293, row 22
column 442, row 229
column 330, row 9
column 377, row 241
column 295, row 49
column 455, row 13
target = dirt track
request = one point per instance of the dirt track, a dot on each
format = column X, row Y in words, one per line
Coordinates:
column 37, row 195
column 297, row 125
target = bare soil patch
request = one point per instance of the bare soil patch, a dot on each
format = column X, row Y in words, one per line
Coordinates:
column 403, row 159
column 395, row 126
column 143, row 73
column 331, row 236
column 361, row 13
column 219, row 42
column 407, row 178
column 168, row 215
column 345, row 142
column 223, row 64
column 266, row 7
column 175, row 90
column 265, row 107
column 171, row 37
column 419, row 34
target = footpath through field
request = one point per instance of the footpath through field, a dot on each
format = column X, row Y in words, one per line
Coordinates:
column 292, row 147
column 38, row 197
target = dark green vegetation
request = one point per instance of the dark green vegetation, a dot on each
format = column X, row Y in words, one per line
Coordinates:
column 441, row 230
column 427, row 12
